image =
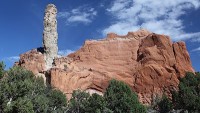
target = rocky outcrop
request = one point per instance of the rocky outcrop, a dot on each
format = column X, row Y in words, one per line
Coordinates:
column 149, row 63
column 33, row 60
column 50, row 35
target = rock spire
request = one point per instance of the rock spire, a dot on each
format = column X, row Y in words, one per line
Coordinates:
column 50, row 35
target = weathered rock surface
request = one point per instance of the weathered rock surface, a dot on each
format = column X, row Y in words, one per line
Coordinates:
column 50, row 35
column 33, row 60
column 149, row 63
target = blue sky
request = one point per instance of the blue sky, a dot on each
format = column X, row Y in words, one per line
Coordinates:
column 21, row 23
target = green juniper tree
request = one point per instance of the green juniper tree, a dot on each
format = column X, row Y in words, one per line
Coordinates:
column 22, row 92
column 188, row 95
column 97, row 104
column 78, row 102
column 165, row 105
column 2, row 67
column 120, row 99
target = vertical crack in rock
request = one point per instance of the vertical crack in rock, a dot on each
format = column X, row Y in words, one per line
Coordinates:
column 50, row 35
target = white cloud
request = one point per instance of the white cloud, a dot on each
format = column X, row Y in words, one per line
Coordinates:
column 195, row 36
column 12, row 58
column 63, row 14
column 81, row 14
column 79, row 18
column 159, row 16
column 65, row 52
column 197, row 49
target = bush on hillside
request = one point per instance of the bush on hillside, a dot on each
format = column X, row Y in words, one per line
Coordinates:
column 78, row 102
column 165, row 105
column 120, row 99
column 97, row 104
column 188, row 96
column 21, row 91
column 82, row 102
column 2, row 67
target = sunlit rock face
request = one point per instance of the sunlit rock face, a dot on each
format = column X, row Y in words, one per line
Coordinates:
column 149, row 63
column 50, row 35
column 33, row 60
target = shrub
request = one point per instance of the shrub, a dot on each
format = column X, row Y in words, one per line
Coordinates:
column 120, row 99
column 21, row 91
column 2, row 67
column 188, row 96
column 78, row 102
column 165, row 105
column 97, row 104
column 58, row 99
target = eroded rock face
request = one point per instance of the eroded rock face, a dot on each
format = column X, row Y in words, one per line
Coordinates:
column 50, row 35
column 33, row 60
column 149, row 63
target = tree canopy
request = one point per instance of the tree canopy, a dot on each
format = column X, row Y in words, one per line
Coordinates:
column 121, row 99
column 21, row 91
column 188, row 95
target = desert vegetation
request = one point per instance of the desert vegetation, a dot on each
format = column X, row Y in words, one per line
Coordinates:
column 188, row 95
column 22, row 92
column 185, row 99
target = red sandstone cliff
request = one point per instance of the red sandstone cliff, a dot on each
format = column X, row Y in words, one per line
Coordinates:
column 149, row 63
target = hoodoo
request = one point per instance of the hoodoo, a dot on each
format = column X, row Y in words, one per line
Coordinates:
column 50, row 35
